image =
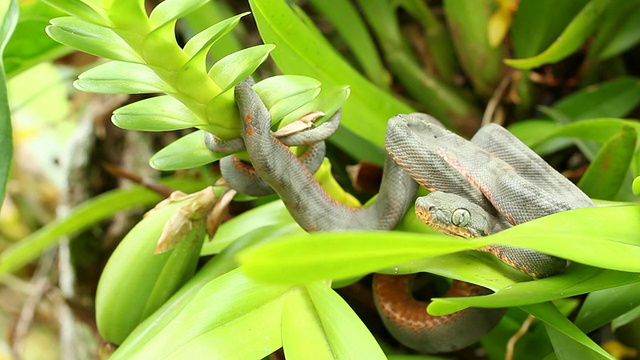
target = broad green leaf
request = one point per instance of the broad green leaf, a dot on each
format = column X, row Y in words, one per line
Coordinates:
column 159, row 113
column 299, row 51
column 469, row 266
column 81, row 9
column 187, row 152
column 252, row 336
column 328, row 101
column 8, row 20
column 211, row 13
column 160, row 50
column 232, row 69
column 206, row 38
column 601, row 307
column 347, row 335
column 345, row 18
column 90, row 38
column 128, row 16
column 570, row 40
column 627, row 318
column 615, row 98
column 636, row 185
column 602, row 236
column 217, row 266
column 575, row 280
column 537, row 23
column 83, row 217
column 124, row 300
column 302, row 332
column 169, row 10
column 532, row 345
column 30, row 45
column 568, row 341
column 438, row 98
column 618, row 31
column 440, row 49
column 284, row 94
column 468, row 22
column 598, row 130
column 606, row 173
column 533, row 131
column 340, row 255
column 117, row 77
column 262, row 218
column 281, row 94
column 276, row 88
column 207, row 320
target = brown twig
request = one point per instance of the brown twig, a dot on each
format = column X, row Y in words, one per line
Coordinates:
column 511, row 344
column 118, row 171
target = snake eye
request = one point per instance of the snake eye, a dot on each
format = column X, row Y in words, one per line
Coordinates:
column 460, row 217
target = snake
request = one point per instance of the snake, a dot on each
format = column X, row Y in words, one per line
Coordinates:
column 477, row 187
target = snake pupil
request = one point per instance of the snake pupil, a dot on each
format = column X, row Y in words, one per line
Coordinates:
column 460, row 217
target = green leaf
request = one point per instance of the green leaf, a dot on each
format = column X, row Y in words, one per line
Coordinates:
column 302, row 332
column 575, row 280
column 347, row 335
column 83, row 217
column 283, row 94
column 598, row 130
column 117, row 77
column 328, row 101
column 606, row 173
column 442, row 101
column 30, row 45
column 568, row 341
column 440, row 51
column 537, row 23
column 618, row 31
column 81, row 9
column 169, row 10
column 220, row 320
column 8, row 20
column 90, row 38
column 217, row 266
column 159, row 113
column 233, row 68
column 468, row 22
column 206, row 38
column 345, row 18
column 600, row 236
column 187, row 152
column 601, row 307
column 123, row 299
column 128, row 16
column 299, row 51
column 569, row 41
column 263, row 219
column 534, row 131
column 636, row 185
column 615, row 98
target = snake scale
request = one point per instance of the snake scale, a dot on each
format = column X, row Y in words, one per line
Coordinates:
column 478, row 187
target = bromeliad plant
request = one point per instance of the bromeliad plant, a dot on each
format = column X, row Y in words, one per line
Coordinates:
column 155, row 306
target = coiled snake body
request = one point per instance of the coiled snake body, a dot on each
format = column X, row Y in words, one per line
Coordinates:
column 479, row 187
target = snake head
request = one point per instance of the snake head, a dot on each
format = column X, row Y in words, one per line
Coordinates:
column 455, row 215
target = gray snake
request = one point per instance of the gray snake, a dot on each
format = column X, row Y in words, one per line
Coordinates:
column 478, row 187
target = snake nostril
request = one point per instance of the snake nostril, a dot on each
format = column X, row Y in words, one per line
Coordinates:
column 431, row 208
